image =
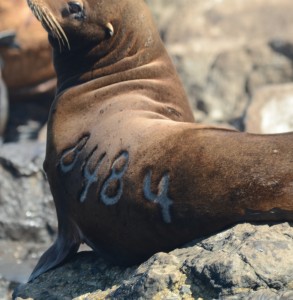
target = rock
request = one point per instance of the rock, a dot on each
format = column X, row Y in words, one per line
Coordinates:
column 27, row 119
column 26, row 206
column 235, row 75
column 6, row 288
column 224, row 50
column 271, row 110
column 244, row 262
column 27, row 214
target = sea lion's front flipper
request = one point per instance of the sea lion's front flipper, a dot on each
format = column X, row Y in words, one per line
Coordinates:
column 64, row 247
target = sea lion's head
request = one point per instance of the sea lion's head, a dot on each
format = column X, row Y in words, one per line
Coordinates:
column 71, row 23
column 75, row 24
column 89, row 35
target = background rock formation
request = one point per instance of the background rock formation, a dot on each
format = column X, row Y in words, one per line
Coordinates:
column 226, row 50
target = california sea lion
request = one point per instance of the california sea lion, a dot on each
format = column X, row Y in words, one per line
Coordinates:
column 7, row 39
column 3, row 103
column 130, row 172
column 28, row 69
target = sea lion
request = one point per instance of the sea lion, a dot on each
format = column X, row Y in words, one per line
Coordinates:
column 28, row 69
column 3, row 103
column 7, row 39
column 130, row 172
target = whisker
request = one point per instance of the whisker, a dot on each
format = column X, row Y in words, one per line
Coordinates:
column 61, row 32
column 44, row 15
column 53, row 28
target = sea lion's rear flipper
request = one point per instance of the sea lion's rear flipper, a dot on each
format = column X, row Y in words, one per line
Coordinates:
column 63, row 248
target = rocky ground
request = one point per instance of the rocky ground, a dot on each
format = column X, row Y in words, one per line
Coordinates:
column 235, row 60
column 245, row 262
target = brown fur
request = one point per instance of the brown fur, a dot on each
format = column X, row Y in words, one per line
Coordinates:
column 120, row 110
column 3, row 103
column 28, row 70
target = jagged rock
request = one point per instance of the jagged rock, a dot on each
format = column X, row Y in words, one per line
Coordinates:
column 245, row 262
column 271, row 110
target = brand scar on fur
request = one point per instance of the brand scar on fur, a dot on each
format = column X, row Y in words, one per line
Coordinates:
column 119, row 167
column 162, row 198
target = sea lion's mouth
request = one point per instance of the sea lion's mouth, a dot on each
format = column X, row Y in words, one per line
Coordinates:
column 49, row 22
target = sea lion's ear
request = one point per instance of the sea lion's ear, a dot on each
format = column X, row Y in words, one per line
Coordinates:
column 110, row 29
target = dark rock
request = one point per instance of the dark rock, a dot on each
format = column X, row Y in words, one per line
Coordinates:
column 26, row 119
column 245, row 262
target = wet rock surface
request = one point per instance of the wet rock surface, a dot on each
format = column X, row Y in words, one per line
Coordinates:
column 245, row 262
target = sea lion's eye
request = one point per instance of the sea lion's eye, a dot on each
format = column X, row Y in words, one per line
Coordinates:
column 76, row 10
column 75, row 7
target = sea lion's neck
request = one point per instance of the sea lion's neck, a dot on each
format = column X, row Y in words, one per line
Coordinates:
column 135, row 42
column 126, row 52
column 132, row 61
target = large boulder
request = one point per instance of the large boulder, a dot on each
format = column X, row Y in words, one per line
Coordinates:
column 245, row 262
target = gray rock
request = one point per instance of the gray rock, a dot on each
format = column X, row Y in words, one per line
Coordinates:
column 271, row 110
column 245, row 262
column 225, row 50
column 27, row 216
column 6, row 288
column 26, row 206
